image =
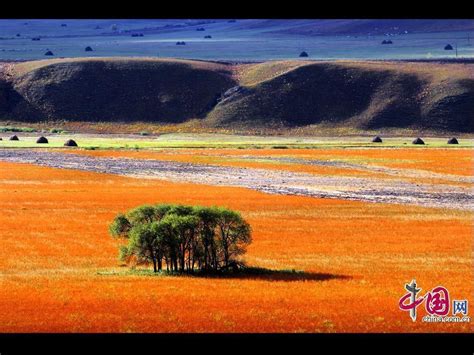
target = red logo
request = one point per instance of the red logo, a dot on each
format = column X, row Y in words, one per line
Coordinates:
column 437, row 300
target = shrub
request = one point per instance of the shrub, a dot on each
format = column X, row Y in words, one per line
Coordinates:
column 55, row 130
column 17, row 129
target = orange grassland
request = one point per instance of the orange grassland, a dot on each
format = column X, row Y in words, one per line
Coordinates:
column 59, row 270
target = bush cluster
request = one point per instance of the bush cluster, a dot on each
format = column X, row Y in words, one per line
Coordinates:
column 182, row 238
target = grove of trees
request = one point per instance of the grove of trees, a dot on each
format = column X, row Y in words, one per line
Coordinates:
column 182, row 238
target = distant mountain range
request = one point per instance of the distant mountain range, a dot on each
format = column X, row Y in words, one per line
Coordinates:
column 326, row 26
column 237, row 39
column 364, row 27
column 316, row 27
column 310, row 27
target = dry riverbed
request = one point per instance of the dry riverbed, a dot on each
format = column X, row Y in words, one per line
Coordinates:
column 265, row 180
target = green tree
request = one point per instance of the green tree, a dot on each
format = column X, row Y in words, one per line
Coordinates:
column 183, row 228
column 207, row 229
column 120, row 226
column 234, row 234
column 142, row 244
column 168, row 242
column 142, row 214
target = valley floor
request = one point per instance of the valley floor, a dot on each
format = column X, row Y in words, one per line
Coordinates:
column 59, row 270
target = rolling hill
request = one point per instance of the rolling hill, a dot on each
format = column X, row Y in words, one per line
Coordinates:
column 282, row 95
column 114, row 89
column 364, row 95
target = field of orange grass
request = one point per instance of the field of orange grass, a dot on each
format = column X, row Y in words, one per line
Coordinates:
column 59, row 270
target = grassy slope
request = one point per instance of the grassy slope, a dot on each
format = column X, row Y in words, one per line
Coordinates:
column 121, row 89
column 338, row 97
column 26, row 67
column 360, row 95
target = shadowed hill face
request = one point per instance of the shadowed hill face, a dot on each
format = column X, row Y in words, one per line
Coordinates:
column 306, row 95
column 361, row 96
column 455, row 109
column 4, row 88
column 118, row 91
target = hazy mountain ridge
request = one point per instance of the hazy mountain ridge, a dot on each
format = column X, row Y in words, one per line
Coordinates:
column 378, row 27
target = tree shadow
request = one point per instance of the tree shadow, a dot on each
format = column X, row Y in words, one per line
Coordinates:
column 242, row 273
column 254, row 273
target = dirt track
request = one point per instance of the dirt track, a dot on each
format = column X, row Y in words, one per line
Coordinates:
column 269, row 181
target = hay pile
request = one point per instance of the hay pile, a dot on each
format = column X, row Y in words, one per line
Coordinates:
column 70, row 143
column 418, row 141
column 42, row 140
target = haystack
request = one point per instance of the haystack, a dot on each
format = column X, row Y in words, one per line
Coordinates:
column 49, row 53
column 208, row 36
column 42, row 140
column 14, row 138
column 418, row 141
column 453, row 141
column 303, row 54
column 70, row 143
column 448, row 47
column 377, row 140
column 88, row 49
column 385, row 41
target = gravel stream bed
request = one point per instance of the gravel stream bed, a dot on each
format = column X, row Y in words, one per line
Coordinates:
column 265, row 180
